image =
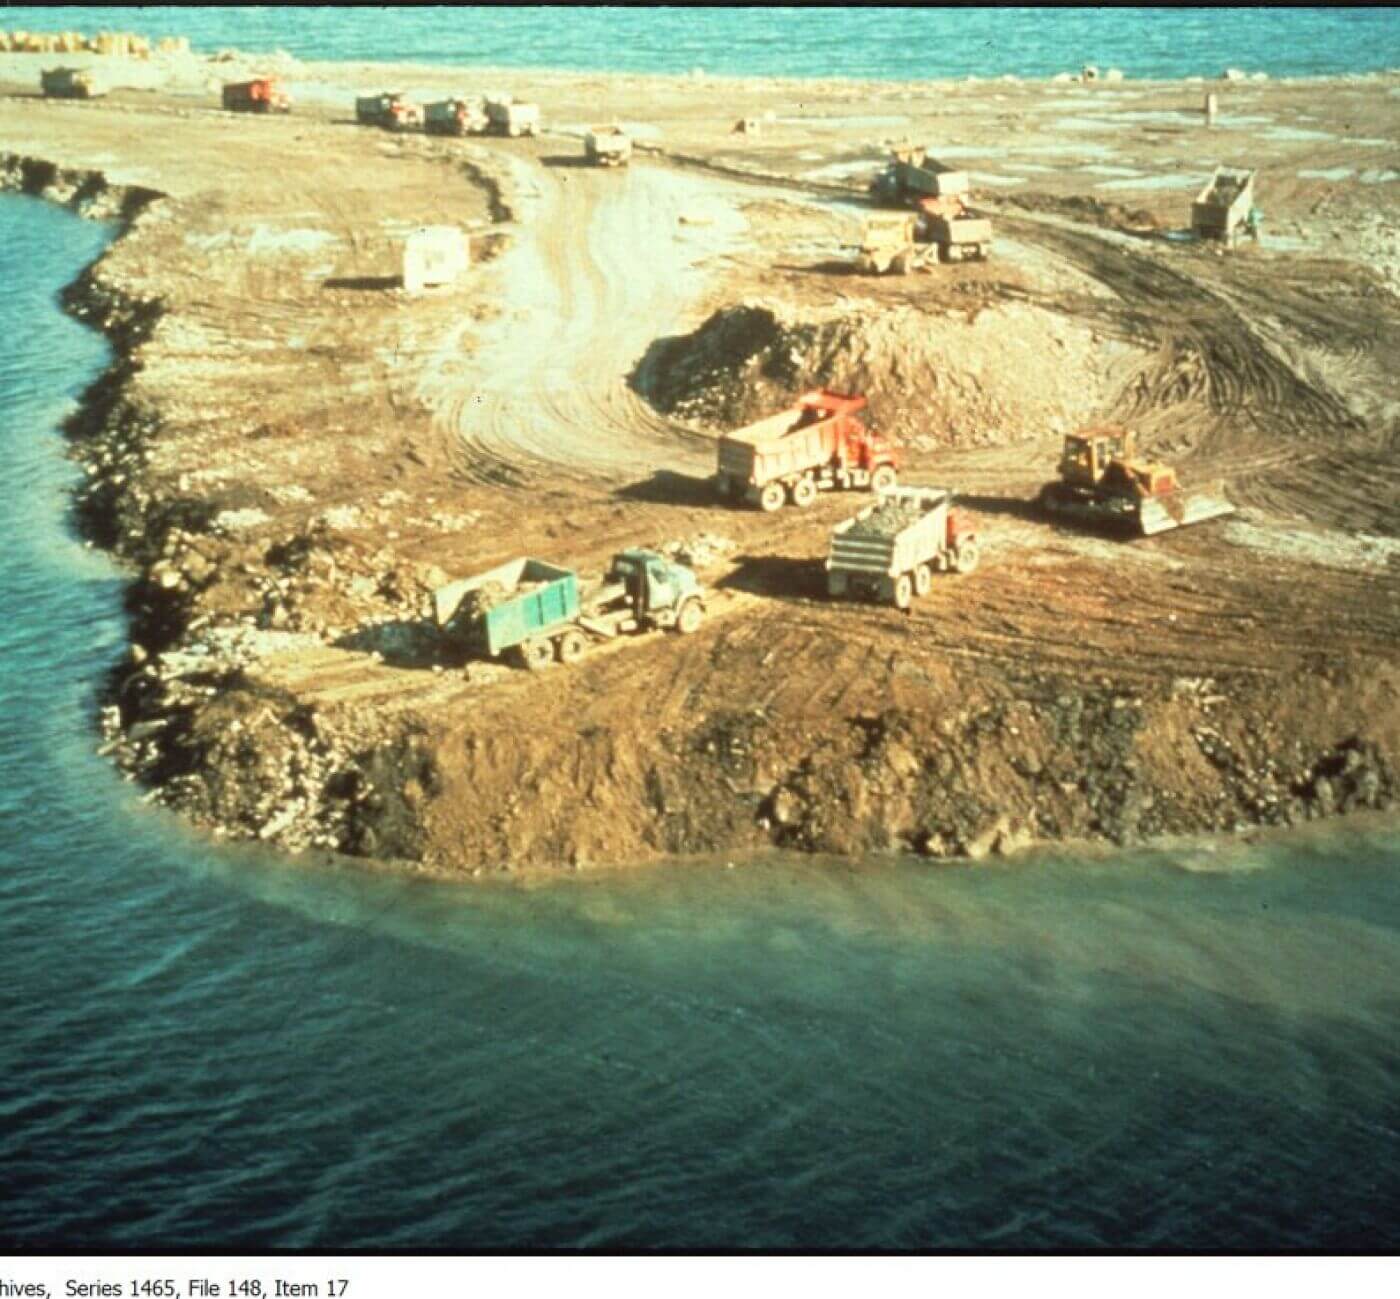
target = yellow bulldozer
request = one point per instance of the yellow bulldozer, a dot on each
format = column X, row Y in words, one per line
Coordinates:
column 1102, row 481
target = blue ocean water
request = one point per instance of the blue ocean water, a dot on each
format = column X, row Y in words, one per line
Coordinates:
column 879, row 43
column 208, row 1048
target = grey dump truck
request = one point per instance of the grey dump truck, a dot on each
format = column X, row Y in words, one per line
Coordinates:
column 538, row 612
column 890, row 550
column 71, row 83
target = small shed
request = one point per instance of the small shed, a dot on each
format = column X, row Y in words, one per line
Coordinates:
column 434, row 255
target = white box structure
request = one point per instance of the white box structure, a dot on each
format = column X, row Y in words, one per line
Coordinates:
column 434, row 255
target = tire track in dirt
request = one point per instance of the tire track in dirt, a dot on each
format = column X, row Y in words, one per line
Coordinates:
column 602, row 267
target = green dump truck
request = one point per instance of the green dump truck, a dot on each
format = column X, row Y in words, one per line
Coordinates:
column 538, row 611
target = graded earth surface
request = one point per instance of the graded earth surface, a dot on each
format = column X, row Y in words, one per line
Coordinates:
column 291, row 453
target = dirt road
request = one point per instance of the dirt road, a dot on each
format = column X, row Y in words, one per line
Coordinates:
column 604, row 262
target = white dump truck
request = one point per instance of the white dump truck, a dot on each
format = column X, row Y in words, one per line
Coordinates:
column 607, row 146
column 508, row 116
column 890, row 550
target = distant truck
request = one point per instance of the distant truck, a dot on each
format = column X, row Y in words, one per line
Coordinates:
column 940, row 196
column 455, row 117
column 817, row 443
column 959, row 235
column 1223, row 205
column 537, row 611
column 71, row 83
column 264, row 95
column 507, row 116
column 911, row 175
column 389, row 110
column 899, row 243
column 890, row 550
column 607, row 146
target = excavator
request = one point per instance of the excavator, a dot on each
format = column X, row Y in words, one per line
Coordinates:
column 1102, row 481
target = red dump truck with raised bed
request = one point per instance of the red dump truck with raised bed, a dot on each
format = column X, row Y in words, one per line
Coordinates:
column 264, row 95
column 817, row 443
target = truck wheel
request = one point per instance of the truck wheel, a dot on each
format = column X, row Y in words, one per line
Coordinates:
column 900, row 264
column 771, row 498
column 722, row 486
column 836, row 585
column 536, row 654
column 966, row 559
column 903, row 591
column 804, row 492
column 923, row 580
column 570, row 646
column 692, row 614
column 883, row 478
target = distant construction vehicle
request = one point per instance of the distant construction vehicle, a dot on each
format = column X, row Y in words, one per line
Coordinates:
column 509, row 116
column 262, row 95
column 1101, row 481
column 455, row 117
column 890, row 244
column 817, row 443
column 538, row 611
column 911, row 175
column 939, row 195
column 389, row 110
column 941, row 231
column 607, row 146
column 891, row 549
column 1223, row 206
column 71, row 83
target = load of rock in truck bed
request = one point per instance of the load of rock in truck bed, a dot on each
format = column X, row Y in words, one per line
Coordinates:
column 888, row 519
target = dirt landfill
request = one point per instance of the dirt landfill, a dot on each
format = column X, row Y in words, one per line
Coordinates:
column 291, row 453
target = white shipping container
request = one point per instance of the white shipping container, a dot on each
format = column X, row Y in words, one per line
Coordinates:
column 434, row 255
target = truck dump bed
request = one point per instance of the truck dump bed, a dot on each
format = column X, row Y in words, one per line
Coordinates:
column 498, row 609
column 1224, row 202
column 905, row 527
column 793, row 440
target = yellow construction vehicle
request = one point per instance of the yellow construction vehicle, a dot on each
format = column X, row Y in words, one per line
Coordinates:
column 1101, row 481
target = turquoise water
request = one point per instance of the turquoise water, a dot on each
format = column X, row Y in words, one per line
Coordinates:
column 208, row 1048
column 885, row 44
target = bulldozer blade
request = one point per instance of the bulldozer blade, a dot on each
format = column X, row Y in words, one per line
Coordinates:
column 1181, row 509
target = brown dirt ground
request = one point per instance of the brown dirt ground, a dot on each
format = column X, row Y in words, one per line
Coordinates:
column 299, row 449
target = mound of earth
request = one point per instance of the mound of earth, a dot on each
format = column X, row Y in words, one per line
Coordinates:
column 933, row 378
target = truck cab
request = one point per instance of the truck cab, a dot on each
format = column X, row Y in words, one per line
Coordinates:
column 656, row 586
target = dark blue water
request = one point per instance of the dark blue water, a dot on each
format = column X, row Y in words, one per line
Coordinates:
column 885, row 44
column 206, row 1048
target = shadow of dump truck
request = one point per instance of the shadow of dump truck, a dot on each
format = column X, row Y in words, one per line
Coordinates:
column 666, row 487
column 776, row 577
column 402, row 643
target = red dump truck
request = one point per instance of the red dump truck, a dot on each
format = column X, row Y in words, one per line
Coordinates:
column 264, row 95
column 817, row 443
